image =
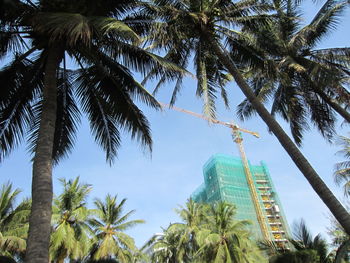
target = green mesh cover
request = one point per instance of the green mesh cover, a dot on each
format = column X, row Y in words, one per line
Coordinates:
column 225, row 180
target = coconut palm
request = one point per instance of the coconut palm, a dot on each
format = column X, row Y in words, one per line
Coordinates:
column 305, row 247
column 302, row 239
column 13, row 222
column 178, row 243
column 109, row 226
column 189, row 27
column 288, row 71
column 226, row 240
column 39, row 95
column 342, row 173
column 339, row 240
column 71, row 233
column 164, row 246
column 193, row 216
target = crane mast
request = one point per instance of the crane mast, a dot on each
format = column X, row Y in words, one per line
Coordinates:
column 237, row 138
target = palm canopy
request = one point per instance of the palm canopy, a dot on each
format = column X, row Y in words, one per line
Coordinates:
column 225, row 239
column 109, row 226
column 185, row 29
column 193, row 216
column 71, row 236
column 166, row 248
column 287, row 69
column 99, row 38
column 208, row 233
column 13, row 221
column 178, row 242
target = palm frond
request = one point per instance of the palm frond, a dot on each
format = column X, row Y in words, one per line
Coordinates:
column 23, row 82
column 100, row 113
column 68, row 116
column 326, row 19
column 342, row 169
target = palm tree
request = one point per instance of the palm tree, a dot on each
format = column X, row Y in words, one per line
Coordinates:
column 225, row 239
column 195, row 26
column 71, row 234
column 303, row 240
column 342, row 173
column 109, row 226
column 286, row 69
column 193, row 216
column 340, row 241
column 39, row 93
column 178, row 243
column 305, row 247
column 13, row 222
column 164, row 246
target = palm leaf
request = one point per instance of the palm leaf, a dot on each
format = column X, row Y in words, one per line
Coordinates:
column 23, row 82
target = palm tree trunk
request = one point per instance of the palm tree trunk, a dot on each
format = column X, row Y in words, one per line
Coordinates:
column 40, row 217
column 301, row 162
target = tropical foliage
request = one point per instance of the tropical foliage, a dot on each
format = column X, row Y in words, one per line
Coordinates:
column 303, row 83
column 79, row 234
column 71, row 236
column 209, row 234
column 109, row 225
column 306, row 248
column 13, row 222
column 185, row 30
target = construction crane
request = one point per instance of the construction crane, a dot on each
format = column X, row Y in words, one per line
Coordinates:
column 237, row 138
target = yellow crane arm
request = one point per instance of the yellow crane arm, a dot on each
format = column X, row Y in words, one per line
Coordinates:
column 227, row 124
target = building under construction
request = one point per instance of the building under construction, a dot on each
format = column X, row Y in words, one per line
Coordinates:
column 225, row 179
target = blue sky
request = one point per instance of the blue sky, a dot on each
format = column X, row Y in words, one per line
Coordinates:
column 156, row 183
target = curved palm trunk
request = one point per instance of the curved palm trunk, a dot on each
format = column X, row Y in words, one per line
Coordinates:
column 301, row 162
column 40, row 217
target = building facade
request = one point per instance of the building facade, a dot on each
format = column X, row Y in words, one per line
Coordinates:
column 225, row 180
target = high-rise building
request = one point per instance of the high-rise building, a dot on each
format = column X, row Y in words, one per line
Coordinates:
column 225, row 179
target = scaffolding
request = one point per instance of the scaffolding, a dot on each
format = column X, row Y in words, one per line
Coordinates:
column 225, row 180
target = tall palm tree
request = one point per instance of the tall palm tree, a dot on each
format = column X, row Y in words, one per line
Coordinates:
column 286, row 69
column 71, row 233
column 39, row 94
column 226, row 240
column 191, row 26
column 342, row 173
column 13, row 222
column 109, row 226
